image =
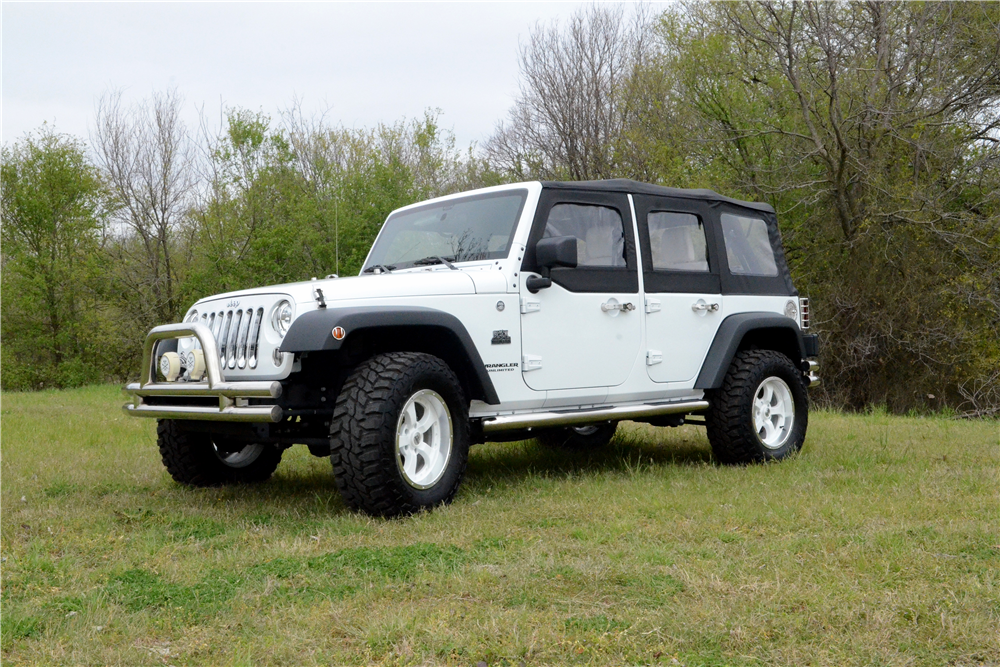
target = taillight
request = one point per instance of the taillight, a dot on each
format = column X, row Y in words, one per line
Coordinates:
column 803, row 313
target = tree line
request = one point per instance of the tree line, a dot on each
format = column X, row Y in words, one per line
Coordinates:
column 872, row 128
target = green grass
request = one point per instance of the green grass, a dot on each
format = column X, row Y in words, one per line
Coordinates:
column 878, row 545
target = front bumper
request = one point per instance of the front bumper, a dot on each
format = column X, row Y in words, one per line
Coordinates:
column 186, row 400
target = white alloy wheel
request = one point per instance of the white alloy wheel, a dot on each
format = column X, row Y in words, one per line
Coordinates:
column 242, row 458
column 773, row 412
column 423, row 439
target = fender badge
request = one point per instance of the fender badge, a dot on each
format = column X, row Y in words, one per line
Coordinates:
column 501, row 337
column 339, row 333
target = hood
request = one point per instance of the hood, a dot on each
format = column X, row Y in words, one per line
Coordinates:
column 401, row 284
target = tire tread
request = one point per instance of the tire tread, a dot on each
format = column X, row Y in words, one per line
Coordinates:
column 364, row 420
column 730, row 414
column 190, row 459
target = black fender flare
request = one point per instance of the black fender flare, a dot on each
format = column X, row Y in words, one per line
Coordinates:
column 313, row 331
column 729, row 336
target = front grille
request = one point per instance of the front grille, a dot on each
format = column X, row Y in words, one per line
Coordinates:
column 237, row 335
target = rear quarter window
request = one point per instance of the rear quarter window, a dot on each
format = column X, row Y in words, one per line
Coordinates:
column 677, row 242
column 748, row 247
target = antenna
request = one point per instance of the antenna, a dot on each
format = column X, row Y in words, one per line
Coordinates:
column 336, row 227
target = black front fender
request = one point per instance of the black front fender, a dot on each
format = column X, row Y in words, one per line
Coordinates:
column 313, row 332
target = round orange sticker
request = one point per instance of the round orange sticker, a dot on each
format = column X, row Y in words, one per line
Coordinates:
column 339, row 333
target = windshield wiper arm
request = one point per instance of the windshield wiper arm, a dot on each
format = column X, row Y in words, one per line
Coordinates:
column 436, row 260
column 379, row 268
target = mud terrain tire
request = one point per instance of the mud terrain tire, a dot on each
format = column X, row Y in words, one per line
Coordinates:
column 372, row 439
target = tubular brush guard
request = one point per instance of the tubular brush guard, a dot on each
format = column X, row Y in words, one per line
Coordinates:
column 231, row 395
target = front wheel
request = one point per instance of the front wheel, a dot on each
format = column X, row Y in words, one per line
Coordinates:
column 761, row 411
column 399, row 438
column 200, row 459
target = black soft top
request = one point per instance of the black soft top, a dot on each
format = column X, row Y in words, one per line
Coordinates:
column 627, row 185
column 731, row 283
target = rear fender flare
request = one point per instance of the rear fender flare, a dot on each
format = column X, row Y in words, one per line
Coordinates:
column 734, row 330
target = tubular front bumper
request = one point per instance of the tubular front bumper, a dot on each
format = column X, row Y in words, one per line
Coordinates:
column 165, row 400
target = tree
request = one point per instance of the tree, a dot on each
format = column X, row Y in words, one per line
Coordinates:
column 873, row 129
column 53, row 204
column 145, row 155
column 573, row 112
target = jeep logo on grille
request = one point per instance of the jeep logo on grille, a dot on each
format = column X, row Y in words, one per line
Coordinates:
column 233, row 303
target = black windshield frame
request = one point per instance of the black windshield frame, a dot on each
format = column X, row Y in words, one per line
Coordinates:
column 386, row 236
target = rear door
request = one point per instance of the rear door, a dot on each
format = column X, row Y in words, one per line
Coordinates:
column 583, row 331
column 683, row 299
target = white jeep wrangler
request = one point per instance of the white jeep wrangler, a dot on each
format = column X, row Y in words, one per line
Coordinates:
column 548, row 310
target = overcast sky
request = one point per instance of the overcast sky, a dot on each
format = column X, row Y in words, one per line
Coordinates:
column 362, row 63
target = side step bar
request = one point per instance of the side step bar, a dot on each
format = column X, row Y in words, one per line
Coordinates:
column 547, row 419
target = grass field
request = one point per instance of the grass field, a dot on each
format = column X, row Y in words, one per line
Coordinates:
column 878, row 545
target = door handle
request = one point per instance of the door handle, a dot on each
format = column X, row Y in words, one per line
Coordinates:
column 708, row 307
column 623, row 307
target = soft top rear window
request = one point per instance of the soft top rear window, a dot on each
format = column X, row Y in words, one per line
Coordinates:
column 748, row 247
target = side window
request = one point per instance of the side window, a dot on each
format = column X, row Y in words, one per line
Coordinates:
column 747, row 246
column 600, row 236
column 677, row 242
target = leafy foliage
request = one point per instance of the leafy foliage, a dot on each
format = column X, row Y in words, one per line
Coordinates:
column 52, row 208
column 873, row 129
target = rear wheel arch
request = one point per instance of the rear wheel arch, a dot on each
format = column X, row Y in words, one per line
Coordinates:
column 779, row 339
column 749, row 331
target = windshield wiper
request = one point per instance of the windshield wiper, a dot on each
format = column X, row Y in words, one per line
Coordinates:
column 436, row 260
column 379, row 268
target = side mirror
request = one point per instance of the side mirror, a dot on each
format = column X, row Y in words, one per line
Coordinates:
column 551, row 252
column 556, row 251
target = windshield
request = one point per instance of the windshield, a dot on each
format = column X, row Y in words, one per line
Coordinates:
column 460, row 230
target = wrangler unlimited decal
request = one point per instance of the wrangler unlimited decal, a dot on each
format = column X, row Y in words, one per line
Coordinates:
column 500, row 368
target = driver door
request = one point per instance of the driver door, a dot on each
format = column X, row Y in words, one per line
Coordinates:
column 583, row 331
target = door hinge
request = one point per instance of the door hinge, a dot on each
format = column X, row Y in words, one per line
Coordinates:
column 653, row 357
column 530, row 362
column 652, row 305
column 530, row 305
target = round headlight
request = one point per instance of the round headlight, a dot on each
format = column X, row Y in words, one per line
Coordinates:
column 193, row 317
column 281, row 318
column 792, row 310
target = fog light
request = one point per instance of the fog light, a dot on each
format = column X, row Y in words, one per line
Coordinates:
column 170, row 366
column 278, row 357
column 195, row 363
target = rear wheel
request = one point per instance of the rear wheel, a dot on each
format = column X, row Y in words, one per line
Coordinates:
column 579, row 438
column 199, row 459
column 761, row 411
column 399, row 439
